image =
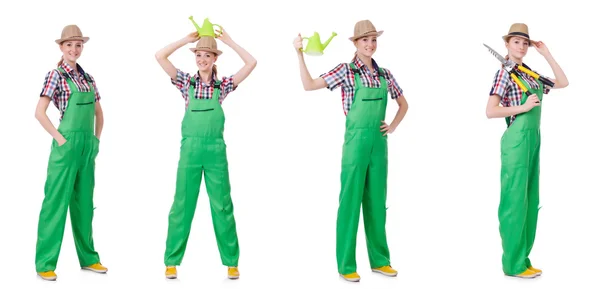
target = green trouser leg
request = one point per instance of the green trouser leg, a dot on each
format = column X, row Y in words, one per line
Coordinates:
column 189, row 178
column 82, row 207
column 519, row 199
column 67, row 184
column 533, row 196
column 353, row 176
column 374, row 205
column 364, row 179
column 221, row 207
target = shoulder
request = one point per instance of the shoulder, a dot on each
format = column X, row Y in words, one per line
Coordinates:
column 385, row 71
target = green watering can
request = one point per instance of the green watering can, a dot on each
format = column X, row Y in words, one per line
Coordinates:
column 207, row 28
column 314, row 46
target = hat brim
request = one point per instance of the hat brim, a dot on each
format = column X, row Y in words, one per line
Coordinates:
column 505, row 37
column 215, row 51
column 378, row 33
column 84, row 39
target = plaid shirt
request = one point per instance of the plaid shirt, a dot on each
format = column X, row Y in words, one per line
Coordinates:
column 342, row 75
column 202, row 90
column 57, row 88
column 508, row 90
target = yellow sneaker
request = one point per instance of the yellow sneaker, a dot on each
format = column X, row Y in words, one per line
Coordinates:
column 386, row 270
column 98, row 268
column 233, row 273
column 538, row 271
column 48, row 275
column 171, row 272
column 526, row 274
column 352, row 277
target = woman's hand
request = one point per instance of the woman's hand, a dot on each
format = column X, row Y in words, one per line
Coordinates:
column 224, row 37
column 387, row 129
column 192, row 37
column 541, row 48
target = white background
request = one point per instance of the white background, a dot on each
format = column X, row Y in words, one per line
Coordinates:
column 284, row 144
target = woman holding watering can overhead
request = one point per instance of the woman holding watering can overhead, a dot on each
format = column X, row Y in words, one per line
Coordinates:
column 365, row 87
column 521, row 96
column 203, row 149
column 70, row 180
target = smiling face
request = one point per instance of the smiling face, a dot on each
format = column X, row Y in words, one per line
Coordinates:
column 71, row 50
column 366, row 45
column 517, row 47
column 205, row 60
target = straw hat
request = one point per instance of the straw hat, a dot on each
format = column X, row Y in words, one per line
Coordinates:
column 207, row 44
column 71, row 32
column 364, row 28
column 518, row 30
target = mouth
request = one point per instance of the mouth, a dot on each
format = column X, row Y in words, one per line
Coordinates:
column 202, row 65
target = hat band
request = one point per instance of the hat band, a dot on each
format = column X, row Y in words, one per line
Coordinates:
column 519, row 34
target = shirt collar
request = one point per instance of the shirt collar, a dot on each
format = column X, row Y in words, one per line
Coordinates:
column 360, row 64
column 68, row 69
column 197, row 77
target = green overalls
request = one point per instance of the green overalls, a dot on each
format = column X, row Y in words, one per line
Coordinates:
column 203, row 149
column 364, row 178
column 70, row 183
column 519, row 200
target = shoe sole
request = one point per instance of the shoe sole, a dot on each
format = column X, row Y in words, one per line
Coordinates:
column 385, row 273
column 524, row 277
column 171, row 276
column 47, row 278
column 233, row 277
column 94, row 270
column 350, row 279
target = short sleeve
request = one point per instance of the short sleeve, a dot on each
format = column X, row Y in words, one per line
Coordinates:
column 501, row 83
column 227, row 86
column 95, row 87
column 546, row 87
column 393, row 87
column 182, row 82
column 336, row 76
column 50, row 84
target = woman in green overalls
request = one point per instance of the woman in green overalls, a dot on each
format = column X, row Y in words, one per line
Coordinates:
column 70, row 175
column 203, row 149
column 520, row 150
column 365, row 87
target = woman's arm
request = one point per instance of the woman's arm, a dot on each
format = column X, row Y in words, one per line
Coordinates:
column 162, row 56
column 560, row 80
column 402, row 109
column 99, row 120
column 42, row 117
column 494, row 110
column 249, row 60
column 308, row 82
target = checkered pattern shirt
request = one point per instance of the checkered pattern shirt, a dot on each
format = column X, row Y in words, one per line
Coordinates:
column 202, row 90
column 508, row 90
column 343, row 76
column 57, row 88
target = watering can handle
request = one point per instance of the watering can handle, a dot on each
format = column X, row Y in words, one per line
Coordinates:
column 303, row 38
column 220, row 28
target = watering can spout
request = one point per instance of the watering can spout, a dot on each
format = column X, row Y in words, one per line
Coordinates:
column 194, row 22
column 329, row 40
